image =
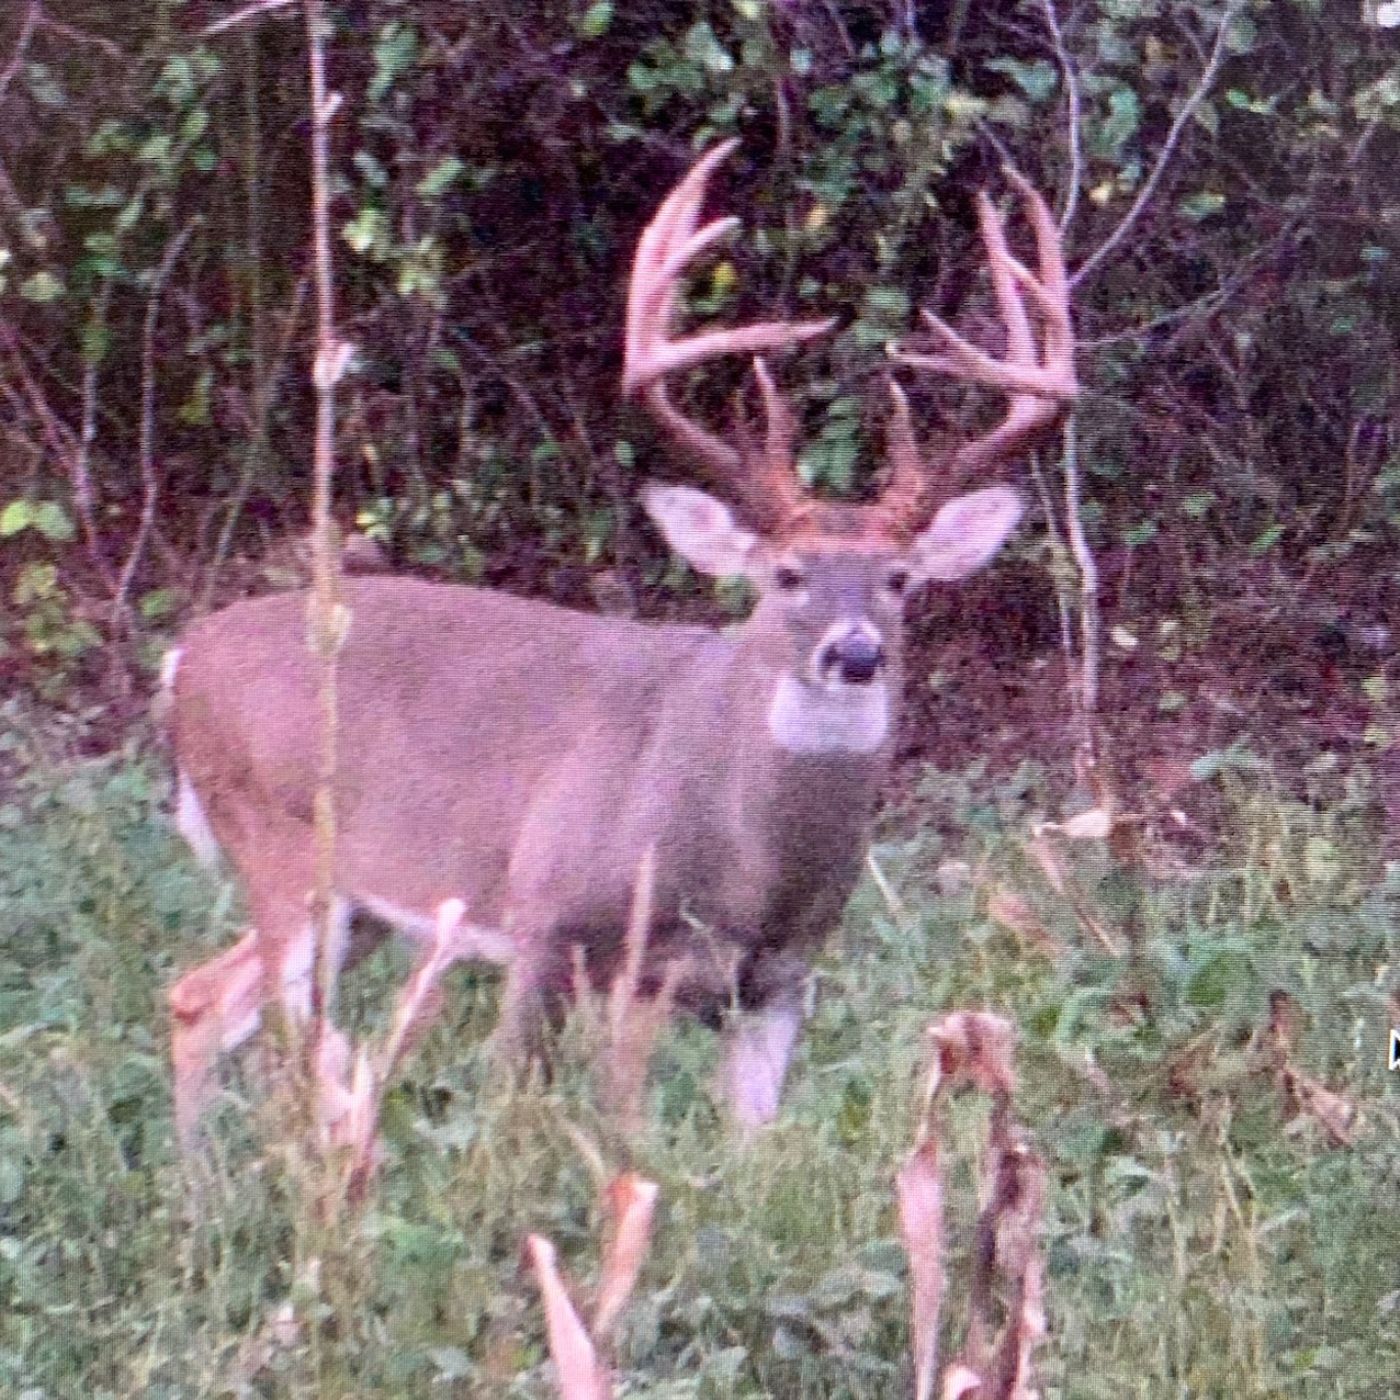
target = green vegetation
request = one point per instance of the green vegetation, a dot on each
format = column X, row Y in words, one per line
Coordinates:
column 1224, row 170
column 1196, row 1242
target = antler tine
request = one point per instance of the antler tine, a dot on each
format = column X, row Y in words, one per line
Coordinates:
column 912, row 492
column 907, row 477
column 1040, row 380
column 782, row 481
column 667, row 246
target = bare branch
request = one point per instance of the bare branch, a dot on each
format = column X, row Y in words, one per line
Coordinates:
column 145, row 452
column 1072, row 102
column 1111, row 244
column 26, row 33
column 79, row 36
column 71, row 451
column 244, row 16
column 1090, row 643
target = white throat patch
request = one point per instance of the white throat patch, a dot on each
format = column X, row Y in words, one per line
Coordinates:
column 847, row 719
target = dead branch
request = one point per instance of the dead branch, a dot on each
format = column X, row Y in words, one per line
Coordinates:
column 145, row 454
column 1187, row 110
column 244, row 16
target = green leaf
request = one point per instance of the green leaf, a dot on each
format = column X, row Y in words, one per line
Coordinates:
column 1202, row 205
column 437, row 180
column 196, row 408
column 52, row 521
column 158, row 603
column 596, row 20
column 130, row 214
column 11, row 1179
column 1124, row 117
column 367, row 231
column 176, row 81
column 111, row 138
column 1242, row 35
column 41, row 287
column 194, row 126
column 1266, row 540
column 16, row 516
column 43, row 87
column 394, row 52
column 96, row 342
column 371, row 168
column 155, row 149
column 35, row 583
column 830, row 461
column 1241, row 101
column 1237, row 758
column 453, row 1364
column 1223, row 969
column 1037, row 80
column 888, row 303
column 703, row 47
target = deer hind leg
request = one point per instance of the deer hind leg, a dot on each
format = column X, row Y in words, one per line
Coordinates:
column 536, row 979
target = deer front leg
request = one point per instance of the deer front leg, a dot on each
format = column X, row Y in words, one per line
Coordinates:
column 218, row 1006
column 759, row 1047
column 213, row 1008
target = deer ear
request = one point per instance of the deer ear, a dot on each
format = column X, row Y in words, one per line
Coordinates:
column 966, row 533
column 700, row 529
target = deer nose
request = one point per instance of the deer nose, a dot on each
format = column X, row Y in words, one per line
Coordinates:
column 855, row 657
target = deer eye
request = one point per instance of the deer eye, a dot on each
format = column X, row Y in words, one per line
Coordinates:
column 897, row 581
column 789, row 579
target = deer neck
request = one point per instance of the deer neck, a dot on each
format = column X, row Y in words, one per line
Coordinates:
column 818, row 759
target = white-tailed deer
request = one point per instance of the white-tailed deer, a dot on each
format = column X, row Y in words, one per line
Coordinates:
column 522, row 757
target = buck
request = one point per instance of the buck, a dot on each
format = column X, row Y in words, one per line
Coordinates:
column 522, row 756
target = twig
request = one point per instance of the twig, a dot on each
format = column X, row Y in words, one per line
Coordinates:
column 145, row 453
column 1111, row 244
column 1089, row 626
column 1059, row 561
column 84, row 498
column 79, row 36
column 26, row 33
column 248, row 12
column 16, row 208
column 69, row 450
column 248, row 470
column 1072, row 115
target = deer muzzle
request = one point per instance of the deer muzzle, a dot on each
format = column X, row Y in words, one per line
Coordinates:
column 852, row 656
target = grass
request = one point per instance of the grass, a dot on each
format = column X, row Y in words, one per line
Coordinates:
column 1197, row 1243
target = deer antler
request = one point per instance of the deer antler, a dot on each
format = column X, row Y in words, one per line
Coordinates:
column 766, row 486
column 1039, row 379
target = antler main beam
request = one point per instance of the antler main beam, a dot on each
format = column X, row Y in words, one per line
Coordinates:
column 1039, row 378
column 670, row 243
